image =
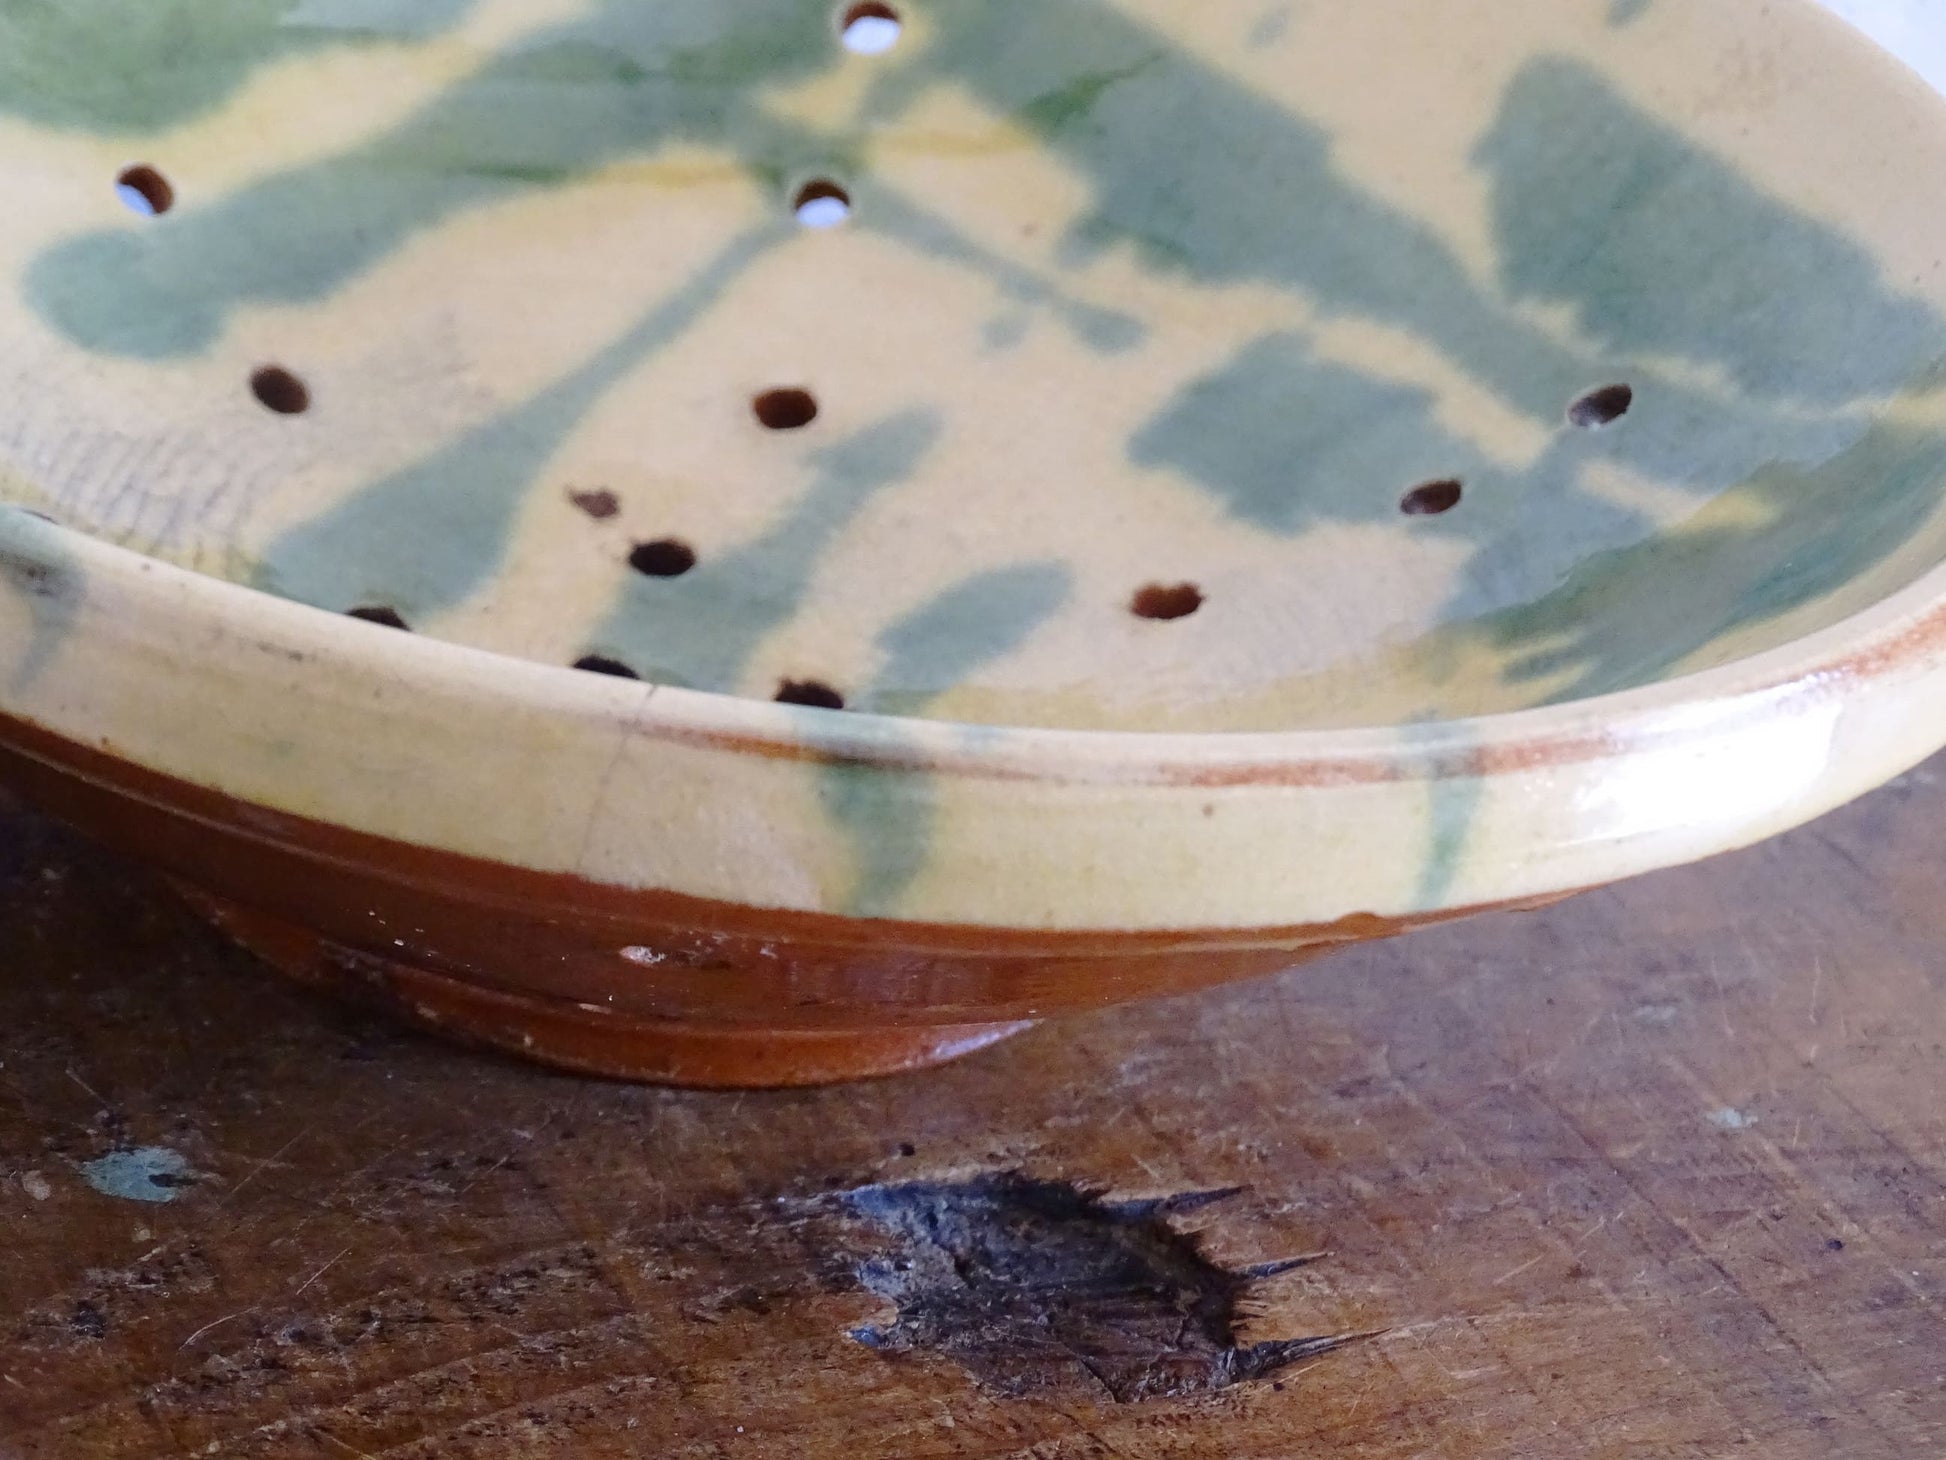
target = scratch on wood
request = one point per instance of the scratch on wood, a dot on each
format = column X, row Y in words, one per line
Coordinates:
column 213, row 1325
column 319, row 1273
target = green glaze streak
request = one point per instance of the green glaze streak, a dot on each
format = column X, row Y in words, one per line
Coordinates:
column 890, row 815
column 1626, row 12
column 1659, row 247
column 885, row 212
column 701, row 630
column 424, row 539
column 1006, row 331
column 1074, row 102
column 1455, row 804
column 1287, row 443
column 1207, row 178
column 970, row 625
column 46, row 576
column 632, row 79
column 1285, row 440
column 1245, row 190
column 117, row 66
column 1629, row 618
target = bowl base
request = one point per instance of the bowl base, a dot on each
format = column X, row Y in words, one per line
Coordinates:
column 587, row 1039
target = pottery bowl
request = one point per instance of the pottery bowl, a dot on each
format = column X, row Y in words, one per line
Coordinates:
column 761, row 543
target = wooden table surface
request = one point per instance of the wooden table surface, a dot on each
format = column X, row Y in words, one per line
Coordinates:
column 1656, row 1173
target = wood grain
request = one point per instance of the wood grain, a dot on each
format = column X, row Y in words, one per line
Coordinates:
column 1660, row 1172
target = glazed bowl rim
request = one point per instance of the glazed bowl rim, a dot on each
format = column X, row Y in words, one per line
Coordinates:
column 1895, row 632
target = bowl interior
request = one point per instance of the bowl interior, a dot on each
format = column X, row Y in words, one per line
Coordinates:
column 1142, row 365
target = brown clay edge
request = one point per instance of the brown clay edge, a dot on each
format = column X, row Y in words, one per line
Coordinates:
column 61, row 774
column 594, row 1041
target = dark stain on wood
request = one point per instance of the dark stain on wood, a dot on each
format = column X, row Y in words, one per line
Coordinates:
column 1030, row 1284
column 87, row 1321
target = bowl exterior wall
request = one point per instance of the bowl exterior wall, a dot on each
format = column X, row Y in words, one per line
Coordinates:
column 611, row 981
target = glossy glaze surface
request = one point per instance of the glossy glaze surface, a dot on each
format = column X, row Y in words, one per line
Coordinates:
column 1243, row 467
column 1092, row 298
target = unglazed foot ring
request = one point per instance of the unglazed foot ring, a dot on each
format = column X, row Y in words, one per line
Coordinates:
column 588, row 1039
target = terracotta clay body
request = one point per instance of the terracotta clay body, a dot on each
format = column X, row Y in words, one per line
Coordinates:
column 760, row 543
